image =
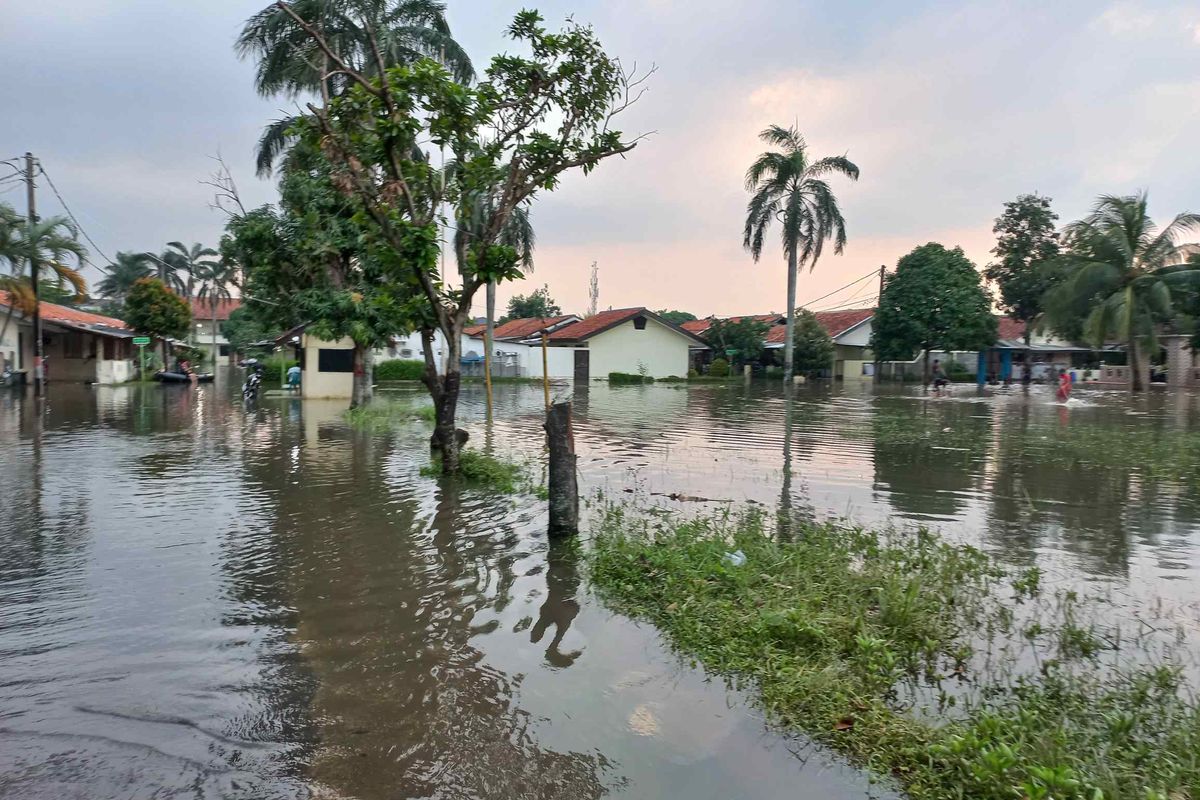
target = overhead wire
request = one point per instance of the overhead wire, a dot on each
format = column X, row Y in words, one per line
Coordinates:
column 71, row 214
column 840, row 289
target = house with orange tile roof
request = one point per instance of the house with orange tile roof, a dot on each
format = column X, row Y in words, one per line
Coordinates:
column 78, row 346
column 631, row 340
column 850, row 330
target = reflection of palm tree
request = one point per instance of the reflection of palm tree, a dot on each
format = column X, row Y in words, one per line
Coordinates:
column 561, row 607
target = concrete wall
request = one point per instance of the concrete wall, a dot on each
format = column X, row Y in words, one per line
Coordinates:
column 202, row 339
column 661, row 350
column 856, row 337
column 317, row 384
column 10, row 342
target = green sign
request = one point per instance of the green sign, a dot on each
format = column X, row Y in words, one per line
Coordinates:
column 141, row 341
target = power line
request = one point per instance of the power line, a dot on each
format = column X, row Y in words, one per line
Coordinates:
column 63, row 203
column 840, row 289
column 857, row 306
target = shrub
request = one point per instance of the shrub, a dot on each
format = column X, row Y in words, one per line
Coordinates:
column 775, row 373
column 628, row 378
column 693, row 373
column 719, row 368
column 399, row 369
column 277, row 365
column 483, row 471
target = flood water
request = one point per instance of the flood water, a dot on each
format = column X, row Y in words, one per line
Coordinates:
column 197, row 601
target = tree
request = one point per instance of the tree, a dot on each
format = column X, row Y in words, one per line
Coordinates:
column 1121, row 273
column 153, row 309
column 186, row 265
column 786, row 184
column 740, row 341
column 814, row 347
column 244, row 328
column 538, row 304
column 934, row 300
column 368, row 35
column 123, row 273
column 677, row 317
column 216, row 277
column 516, row 133
column 1026, row 245
column 50, row 245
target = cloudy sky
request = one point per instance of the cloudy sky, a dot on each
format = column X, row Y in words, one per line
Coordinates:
column 949, row 109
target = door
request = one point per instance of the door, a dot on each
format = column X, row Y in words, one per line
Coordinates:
column 582, row 363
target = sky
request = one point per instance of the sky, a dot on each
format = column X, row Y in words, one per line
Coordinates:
column 949, row 110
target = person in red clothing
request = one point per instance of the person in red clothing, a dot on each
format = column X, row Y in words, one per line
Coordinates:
column 1064, row 386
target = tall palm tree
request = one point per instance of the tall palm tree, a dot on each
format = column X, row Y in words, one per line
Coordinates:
column 215, row 282
column 291, row 64
column 186, row 266
column 788, row 185
column 1120, row 274
column 126, row 270
column 49, row 244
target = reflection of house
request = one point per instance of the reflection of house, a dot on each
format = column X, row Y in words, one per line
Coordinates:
column 203, row 326
column 850, row 330
column 78, row 346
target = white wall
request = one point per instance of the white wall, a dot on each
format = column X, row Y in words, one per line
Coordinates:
column 623, row 348
column 114, row 371
column 856, row 337
column 10, row 341
column 313, row 383
column 202, row 339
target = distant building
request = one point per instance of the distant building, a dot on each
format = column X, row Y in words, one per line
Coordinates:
column 78, row 346
column 203, row 327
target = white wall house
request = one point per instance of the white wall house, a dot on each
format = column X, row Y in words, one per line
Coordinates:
column 629, row 340
column 203, row 328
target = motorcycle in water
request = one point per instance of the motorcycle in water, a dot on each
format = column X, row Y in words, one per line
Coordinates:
column 253, row 384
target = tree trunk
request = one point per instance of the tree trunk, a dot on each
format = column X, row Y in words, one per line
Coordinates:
column 925, row 369
column 789, row 343
column 488, row 339
column 1135, row 367
column 563, row 483
column 444, row 390
column 362, row 390
column 214, row 338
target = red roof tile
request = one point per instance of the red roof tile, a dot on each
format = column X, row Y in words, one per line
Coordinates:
column 836, row 323
column 595, row 324
column 202, row 309
column 474, row 330
column 531, row 326
column 52, row 312
column 699, row 326
column 1008, row 328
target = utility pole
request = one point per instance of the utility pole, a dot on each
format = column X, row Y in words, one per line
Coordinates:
column 33, row 277
column 878, row 303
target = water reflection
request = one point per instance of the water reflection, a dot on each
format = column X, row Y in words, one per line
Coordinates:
column 560, row 607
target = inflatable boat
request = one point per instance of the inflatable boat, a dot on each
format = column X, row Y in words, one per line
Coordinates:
column 180, row 377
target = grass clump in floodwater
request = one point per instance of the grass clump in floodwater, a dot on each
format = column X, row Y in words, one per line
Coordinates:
column 386, row 413
column 483, row 471
column 873, row 643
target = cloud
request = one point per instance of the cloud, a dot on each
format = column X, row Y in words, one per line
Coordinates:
column 1126, row 19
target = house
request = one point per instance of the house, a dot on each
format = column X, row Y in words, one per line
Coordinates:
column 206, row 321
column 78, row 346
column 1044, row 356
column 850, row 330
column 517, row 348
column 631, row 340
column 327, row 368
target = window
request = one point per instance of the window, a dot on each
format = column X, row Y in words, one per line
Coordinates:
column 223, row 349
column 329, row 360
column 72, row 345
column 639, row 323
column 110, row 349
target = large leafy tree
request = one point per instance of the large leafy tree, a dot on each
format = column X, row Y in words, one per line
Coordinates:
column 934, row 300
column 533, row 119
column 537, row 304
column 677, row 317
column 814, row 347
column 127, row 269
column 740, row 341
column 153, row 309
column 789, row 186
column 244, row 328
column 1026, row 245
column 183, row 266
column 1123, row 276
column 368, row 35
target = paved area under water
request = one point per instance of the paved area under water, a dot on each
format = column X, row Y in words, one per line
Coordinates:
column 199, row 601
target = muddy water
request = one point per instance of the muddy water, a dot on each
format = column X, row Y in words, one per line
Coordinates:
column 196, row 601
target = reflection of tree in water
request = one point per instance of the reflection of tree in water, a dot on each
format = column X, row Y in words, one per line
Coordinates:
column 926, row 454
column 386, row 609
column 560, row 608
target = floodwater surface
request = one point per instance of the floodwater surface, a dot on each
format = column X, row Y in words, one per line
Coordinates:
column 200, row 601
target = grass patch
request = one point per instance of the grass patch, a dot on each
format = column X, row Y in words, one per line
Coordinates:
column 628, row 378
column 918, row 659
column 386, row 413
column 399, row 369
column 483, row 471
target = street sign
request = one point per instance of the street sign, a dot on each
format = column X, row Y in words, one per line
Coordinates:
column 141, row 341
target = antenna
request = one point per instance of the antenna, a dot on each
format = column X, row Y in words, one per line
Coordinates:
column 594, row 290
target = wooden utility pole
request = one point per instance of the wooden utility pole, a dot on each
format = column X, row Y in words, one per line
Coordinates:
column 545, row 373
column 879, row 301
column 563, row 485
column 33, row 277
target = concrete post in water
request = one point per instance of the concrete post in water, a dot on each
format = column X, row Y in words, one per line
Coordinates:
column 563, row 485
column 747, row 371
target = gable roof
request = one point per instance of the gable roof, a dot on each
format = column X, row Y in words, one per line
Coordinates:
column 523, row 328
column 202, row 310
column 599, row 323
column 73, row 317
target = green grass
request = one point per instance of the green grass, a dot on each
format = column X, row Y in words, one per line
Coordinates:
column 483, row 471
column 399, row 369
column 627, row 378
column 918, row 659
column 381, row 413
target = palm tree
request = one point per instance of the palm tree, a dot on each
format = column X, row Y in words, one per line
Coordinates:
column 48, row 243
column 215, row 281
column 1120, row 273
column 787, row 185
column 186, row 265
column 126, row 270
column 290, row 63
